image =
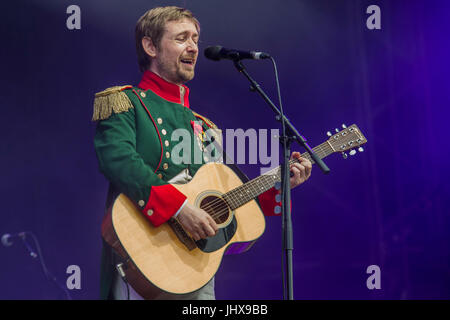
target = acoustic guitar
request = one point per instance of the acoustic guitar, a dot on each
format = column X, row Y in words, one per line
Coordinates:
column 167, row 258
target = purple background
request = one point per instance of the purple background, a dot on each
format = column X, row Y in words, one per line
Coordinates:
column 387, row 206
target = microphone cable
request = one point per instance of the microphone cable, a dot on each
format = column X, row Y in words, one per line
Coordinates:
column 46, row 271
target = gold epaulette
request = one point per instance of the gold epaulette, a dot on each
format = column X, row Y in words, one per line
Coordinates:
column 111, row 100
column 208, row 122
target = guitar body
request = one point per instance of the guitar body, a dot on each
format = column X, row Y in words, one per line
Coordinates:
column 156, row 259
column 166, row 258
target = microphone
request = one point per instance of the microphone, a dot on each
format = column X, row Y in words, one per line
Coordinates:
column 7, row 242
column 217, row 53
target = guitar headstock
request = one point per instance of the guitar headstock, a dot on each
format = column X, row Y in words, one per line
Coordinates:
column 349, row 138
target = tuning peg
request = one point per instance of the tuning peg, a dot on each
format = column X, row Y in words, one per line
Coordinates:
column 360, row 149
column 352, row 152
column 337, row 130
column 329, row 134
column 344, row 155
column 344, row 126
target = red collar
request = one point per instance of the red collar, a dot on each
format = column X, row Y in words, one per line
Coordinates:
column 166, row 90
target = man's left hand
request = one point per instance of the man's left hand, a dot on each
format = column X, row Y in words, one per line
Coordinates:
column 301, row 171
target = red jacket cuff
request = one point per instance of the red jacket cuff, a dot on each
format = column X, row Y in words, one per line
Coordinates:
column 270, row 202
column 163, row 203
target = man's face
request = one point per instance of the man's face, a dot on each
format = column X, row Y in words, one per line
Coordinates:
column 177, row 52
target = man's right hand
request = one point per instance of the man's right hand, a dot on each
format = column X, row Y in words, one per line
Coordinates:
column 197, row 222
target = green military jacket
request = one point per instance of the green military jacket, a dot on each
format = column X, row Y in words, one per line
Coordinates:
column 134, row 150
column 133, row 144
column 137, row 142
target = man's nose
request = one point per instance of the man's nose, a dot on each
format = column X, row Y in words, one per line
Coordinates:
column 192, row 46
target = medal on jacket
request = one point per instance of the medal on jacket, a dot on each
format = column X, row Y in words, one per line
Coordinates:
column 198, row 133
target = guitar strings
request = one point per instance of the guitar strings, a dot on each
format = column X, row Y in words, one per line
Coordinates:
column 320, row 150
column 218, row 203
column 217, row 206
column 220, row 206
column 249, row 184
column 253, row 184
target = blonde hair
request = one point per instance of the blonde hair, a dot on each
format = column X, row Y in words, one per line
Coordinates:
column 152, row 24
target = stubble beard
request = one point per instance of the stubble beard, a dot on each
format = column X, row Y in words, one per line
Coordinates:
column 185, row 76
column 178, row 75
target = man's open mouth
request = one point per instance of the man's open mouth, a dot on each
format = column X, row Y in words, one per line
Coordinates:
column 188, row 61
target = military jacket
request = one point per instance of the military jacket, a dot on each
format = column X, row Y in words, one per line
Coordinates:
column 138, row 131
column 134, row 150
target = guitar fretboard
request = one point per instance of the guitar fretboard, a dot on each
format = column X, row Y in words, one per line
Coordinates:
column 241, row 195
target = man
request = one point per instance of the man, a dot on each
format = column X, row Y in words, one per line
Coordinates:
column 133, row 142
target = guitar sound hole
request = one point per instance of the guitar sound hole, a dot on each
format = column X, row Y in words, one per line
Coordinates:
column 216, row 207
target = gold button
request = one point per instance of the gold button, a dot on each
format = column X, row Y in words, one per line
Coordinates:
column 181, row 88
column 165, row 166
column 166, row 143
column 159, row 120
column 167, row 155
column 164, row 132
column 160, row 175
column 143, row 94
column 149, row 212
column 141, row 203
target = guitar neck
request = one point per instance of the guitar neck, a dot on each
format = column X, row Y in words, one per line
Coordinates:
column 253, row 188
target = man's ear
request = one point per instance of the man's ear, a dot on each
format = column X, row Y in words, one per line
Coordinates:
column 149, row 47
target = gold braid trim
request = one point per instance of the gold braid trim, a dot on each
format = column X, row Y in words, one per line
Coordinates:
column 208, row 122
column 111, row 100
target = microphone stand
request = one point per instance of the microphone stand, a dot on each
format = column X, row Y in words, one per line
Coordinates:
column 289, row 134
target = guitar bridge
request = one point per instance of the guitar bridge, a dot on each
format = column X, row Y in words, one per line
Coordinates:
column 181, row 234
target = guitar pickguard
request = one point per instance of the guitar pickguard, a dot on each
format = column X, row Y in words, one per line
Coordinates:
column 222, row 237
